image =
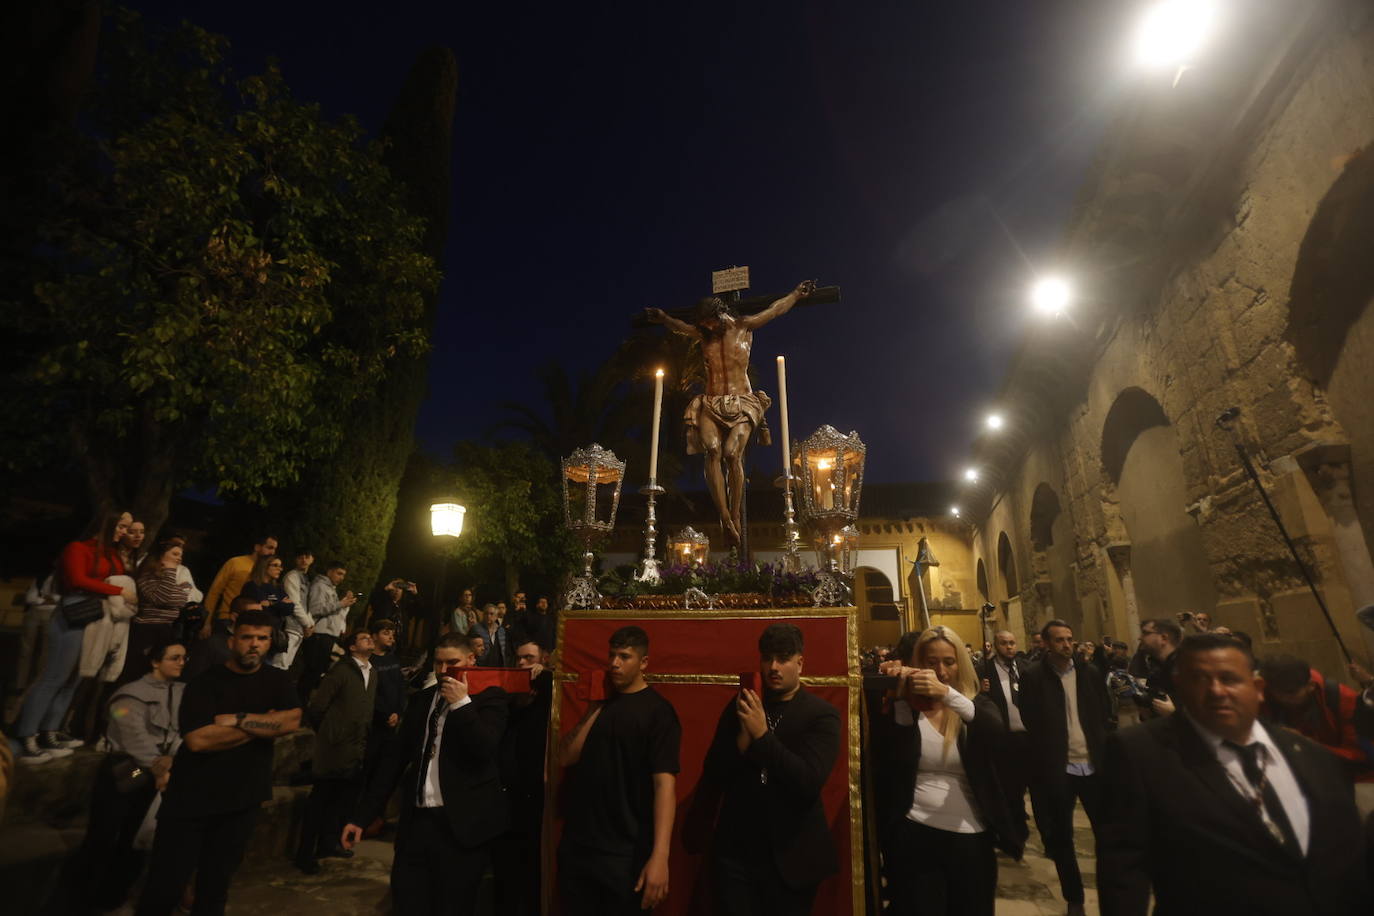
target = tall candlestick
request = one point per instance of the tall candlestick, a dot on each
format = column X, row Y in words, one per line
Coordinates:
column 782, row 406
column 658, row 411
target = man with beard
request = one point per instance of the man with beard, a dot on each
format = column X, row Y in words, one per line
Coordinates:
column 771, row 757
column 222, row 774
column 515, row 858
column 621, row 791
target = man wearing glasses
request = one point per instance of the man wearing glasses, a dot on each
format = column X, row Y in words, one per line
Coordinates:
column 453, row 805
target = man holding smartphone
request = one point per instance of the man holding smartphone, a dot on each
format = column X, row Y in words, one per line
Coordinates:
column 774, row 748
column 621, row 791
column 453, row 805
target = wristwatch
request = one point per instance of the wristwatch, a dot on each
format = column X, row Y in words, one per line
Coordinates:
column 238, row 719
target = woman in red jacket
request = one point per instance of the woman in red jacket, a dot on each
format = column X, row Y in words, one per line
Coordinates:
column 84, row 567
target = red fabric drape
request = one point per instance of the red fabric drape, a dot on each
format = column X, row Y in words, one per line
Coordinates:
column 718, row 646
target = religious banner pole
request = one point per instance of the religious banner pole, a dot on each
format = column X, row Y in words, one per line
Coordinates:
column 648, row 567
column 791, row 556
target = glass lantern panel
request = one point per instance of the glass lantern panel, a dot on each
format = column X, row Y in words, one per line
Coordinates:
column 823, row 477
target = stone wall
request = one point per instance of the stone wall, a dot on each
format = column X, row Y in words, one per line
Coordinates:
column 1151, row 487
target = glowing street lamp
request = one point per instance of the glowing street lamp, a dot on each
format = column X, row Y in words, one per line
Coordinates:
column 1051, row 296
column 446, row 517
column 994, row 421
column 971, row 475
column 954, row 511
column 1172, row 32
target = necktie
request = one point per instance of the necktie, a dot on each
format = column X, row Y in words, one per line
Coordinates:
column 1266, row 800
column 431, row 745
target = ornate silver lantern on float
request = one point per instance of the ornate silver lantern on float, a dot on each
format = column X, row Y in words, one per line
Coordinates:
column 832, row 475
column 591, row 495
column 689, row 547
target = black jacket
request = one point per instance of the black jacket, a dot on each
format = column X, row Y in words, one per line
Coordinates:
column 897, row 755
column 798, row 754
column 523, row 749
column 1045, row 716
column 987, row 670
column 1173, row 822
column 474, row 798
column 391, row 686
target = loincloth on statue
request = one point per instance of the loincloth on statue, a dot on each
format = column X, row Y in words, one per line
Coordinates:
column 727, row 411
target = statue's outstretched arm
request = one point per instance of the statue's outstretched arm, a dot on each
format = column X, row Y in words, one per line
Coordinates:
column 780, row 306
column 658, row 316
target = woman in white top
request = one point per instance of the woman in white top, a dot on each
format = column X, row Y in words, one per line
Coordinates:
column 942, row 810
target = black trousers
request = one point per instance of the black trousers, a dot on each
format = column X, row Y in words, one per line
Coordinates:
column 593, row 883
column 515, row 862
column 753, row 887
column 211, row 846
column 316, row 654
column 432, row 874
column 939, row 873
column 107, row 865
column 1013, row 772
column 325, row 812
column 1053, row 803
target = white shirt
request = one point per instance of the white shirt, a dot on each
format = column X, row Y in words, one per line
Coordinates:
column 942, row 797
column 1080, row 764
column 1014, row 722
column 1276, row 770
column 432, row 796
column 364, row 667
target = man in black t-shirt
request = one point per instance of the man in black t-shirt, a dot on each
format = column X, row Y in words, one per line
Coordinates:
column 770, row 759
column 223, row 772
column 621, row 791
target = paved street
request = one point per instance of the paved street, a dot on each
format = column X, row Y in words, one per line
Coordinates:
column 358, row 887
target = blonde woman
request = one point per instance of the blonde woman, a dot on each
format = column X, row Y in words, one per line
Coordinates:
column 942, row 810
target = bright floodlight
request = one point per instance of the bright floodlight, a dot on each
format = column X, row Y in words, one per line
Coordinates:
column 954, row 511
column 1050, row 295
column 994, row 421
column 971, row 475
column 1172, row 32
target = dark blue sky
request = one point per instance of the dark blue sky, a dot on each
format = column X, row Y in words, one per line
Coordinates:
column 608, row 156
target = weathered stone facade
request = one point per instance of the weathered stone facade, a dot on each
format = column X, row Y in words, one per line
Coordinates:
column 1223, row 254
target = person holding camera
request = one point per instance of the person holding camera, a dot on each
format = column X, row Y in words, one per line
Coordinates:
column 452, row 802
column 943, row 813
column 330, row 613
column 1160, row 638
column 771, row 757
column 397, row 600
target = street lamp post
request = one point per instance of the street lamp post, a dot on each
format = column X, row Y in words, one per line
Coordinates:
column 445, row 521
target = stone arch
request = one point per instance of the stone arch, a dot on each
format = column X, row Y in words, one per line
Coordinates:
column 1140, row 455
column 1133, row 412
column 983, row 580
column 1006, row 565
column 1331, row 316
column 1053, row 556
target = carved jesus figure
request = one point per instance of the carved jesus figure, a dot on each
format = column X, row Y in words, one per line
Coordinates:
column 722, row 418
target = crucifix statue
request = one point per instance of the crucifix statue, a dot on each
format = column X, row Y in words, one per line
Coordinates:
column 721, row 420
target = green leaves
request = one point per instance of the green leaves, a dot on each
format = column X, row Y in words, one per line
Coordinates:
column 217, row 259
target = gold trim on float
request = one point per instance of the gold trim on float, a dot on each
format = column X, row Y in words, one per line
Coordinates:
column 708, row 613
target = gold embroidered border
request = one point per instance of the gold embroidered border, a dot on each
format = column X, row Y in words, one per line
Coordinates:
column 711, row 614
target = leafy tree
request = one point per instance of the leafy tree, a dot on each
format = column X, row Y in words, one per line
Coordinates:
column 221, row 273
column 515, row 512
column 346, row 508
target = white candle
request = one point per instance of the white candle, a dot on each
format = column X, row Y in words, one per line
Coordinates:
column 782, row 406
column 653, row 441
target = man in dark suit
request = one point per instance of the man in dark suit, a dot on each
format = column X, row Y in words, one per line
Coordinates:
column 1216, row 813
column 1001, row 679
column 1067, row 712
column 771, row 756
column 452, row 802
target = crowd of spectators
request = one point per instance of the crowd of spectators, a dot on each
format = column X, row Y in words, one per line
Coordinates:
column 182, row 694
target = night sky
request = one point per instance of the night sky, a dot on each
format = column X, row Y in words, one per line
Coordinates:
column 607, row 157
